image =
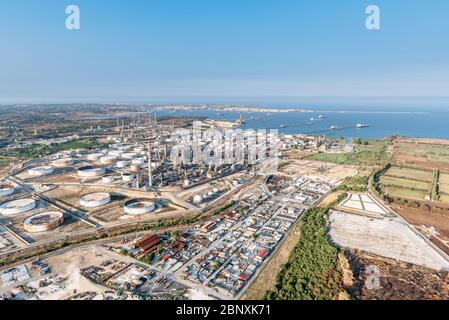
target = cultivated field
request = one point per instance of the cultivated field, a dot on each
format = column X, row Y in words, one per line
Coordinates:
column 444, row 187
column 409, row 173
column 404, row 183
column 422, row 153
column 373, row 153
column 405, row 193
column 408, row 183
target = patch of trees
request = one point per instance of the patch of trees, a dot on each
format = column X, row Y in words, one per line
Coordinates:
column 355, row 184
column 435, row 189
column 148, row 258
column 312, row 272
column 36, row 151
column 360, row 141
column 337, row 201
column 375, row 185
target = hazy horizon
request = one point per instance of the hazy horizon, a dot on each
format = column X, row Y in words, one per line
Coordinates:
column 175, row 50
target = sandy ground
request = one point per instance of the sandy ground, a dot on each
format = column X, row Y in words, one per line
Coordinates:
column 424, row 140
column 66, row 268
column 316, row 170
column 420, row 217
column 330, row 198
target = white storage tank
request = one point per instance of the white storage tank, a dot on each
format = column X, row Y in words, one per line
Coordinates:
column 108, row 180
column 90, row 172
column 122, row 164
column 17, row 206
column 94, row 156
column 129, row 155
column 6, row 190
column 139, row 206
column 40, row 171
column 108, row 160
column 116, row 153
column 198, row 199
column 93, row 200
column 138, row 161
column 63, row 162
column 127, row 177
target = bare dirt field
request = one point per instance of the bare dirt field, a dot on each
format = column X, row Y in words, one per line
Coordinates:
column 397, row 281
column 297, row 154
column 65, row 279
column 421, row 217
column 330, row 198
column 316, row 170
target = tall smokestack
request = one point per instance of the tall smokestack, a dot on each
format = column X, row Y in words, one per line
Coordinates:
column 150, row 170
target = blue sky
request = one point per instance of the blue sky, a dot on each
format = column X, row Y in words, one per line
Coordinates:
column 179, row 50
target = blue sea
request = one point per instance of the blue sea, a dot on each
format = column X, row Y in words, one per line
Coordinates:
column 426, row 120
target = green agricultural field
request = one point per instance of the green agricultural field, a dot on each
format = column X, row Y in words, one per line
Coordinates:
column 4, row 162
column 444, row 178
column 444, row 188
column 444, row 198
column 405, row 193
column 404, row 183
column 409, row 173
column 370, row 153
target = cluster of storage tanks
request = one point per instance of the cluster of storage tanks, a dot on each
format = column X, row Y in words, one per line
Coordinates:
column 132, row 207
column 37, row 223
column 198, row 199
column 126, row 157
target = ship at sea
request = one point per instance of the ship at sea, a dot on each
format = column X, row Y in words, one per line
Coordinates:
column 335, row 128
column 362, row 125
column 321, row 117
column 240, row 121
